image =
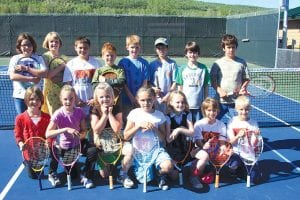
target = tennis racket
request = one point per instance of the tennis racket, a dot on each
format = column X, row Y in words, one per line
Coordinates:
column 250, row 147
column 27, row 62
column 53, row 64
column 36, row 153
column 145, row 151
column 111, row 78
column 260, row 86
column 67, row 157
column 219, row 153
column 110, row 145
column 179, row 150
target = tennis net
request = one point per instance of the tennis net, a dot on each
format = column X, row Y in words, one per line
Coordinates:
column 282, row 108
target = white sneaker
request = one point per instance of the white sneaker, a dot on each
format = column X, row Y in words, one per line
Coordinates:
column 163, row 185
column 53, row 179
column 126, row 181
column 87, row 183
column 196, row 182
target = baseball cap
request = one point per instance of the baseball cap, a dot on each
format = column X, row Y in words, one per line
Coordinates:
column 161, row 40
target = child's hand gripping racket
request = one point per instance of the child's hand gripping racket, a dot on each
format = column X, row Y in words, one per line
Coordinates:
column 250, row 147
column 110, row 145
column 22, row 67
column 55, row 63
column 145, row 151
column 219, row 153
column 35, row 152
column 67, row 151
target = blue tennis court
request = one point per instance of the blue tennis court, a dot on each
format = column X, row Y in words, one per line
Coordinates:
column 280, row 165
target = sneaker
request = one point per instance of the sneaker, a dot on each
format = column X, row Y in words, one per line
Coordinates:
column 54, row 180
column 126, row 181
column 194, row 180
column 163, row 185
column 87, row 183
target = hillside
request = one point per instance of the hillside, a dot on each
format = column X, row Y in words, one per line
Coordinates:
column 124, row 7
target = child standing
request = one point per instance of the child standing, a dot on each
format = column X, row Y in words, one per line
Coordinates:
column 229, row 76
column 109, row 55
column 179, row 128
column 79, row 73
column 193, row 80
column 162, row 73
column 25, row 74
column 53, row 81
column 136, row 71
column 146, row 120
column 237, row 127
column 33, row 123
column 67, row 122
column 207, row 126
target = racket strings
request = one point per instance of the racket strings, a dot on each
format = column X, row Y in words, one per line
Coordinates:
column 250, row 149
column 37, row 153
column 219, row 154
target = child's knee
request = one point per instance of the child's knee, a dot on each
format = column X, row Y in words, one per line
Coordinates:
column 127, row 149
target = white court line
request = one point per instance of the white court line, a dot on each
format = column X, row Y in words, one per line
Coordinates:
column 276, row 118
column 11, row 181
column 273, row 150
column 284, row 158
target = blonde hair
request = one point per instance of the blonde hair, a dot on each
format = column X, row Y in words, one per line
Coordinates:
column 242, row 101
column 33, row 90
column 50, row 36
column 107, row 88
column 146, row 89
column 170, row 98
column 133, row 39
column 68, row 88
column 209, row 102
column 108, row 47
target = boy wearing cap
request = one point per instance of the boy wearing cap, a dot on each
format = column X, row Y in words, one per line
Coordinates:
column 162, row 73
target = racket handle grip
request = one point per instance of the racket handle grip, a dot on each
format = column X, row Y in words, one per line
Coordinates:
column 111, row 182
column 248, row 181
column 69, row 182
column 145, row 182
column 180, row 178
column 217, row 181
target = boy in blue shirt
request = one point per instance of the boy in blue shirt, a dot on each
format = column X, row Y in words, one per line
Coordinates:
column 136, row 73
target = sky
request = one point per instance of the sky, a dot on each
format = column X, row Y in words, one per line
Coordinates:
column 260, row 3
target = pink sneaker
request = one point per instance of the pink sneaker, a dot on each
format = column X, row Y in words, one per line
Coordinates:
column 208, row 178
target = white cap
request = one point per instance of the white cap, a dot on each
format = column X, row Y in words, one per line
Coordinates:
column 161, row 40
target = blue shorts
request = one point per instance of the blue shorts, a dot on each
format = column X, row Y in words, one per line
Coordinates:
column 139, row 169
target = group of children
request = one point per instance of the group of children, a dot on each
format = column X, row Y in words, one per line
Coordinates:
column 170, row 101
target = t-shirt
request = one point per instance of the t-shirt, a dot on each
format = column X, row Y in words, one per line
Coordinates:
column 163, row 74
column 193, row 82
column 229, row 75
column 19, row 87
column 235, row 124
column 202, row 127
column 138, row 115
column 136, row 72
column 64, row 119
column 80, row 73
